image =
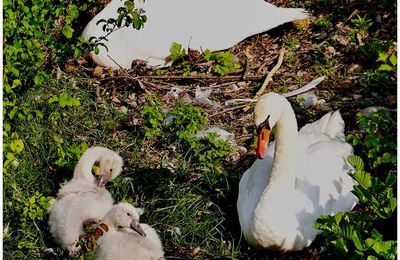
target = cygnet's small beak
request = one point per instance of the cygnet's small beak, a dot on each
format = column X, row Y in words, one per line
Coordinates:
column 136, row 226
column 262, row 143
column 104, row 178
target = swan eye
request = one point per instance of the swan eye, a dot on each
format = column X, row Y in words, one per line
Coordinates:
column 111, row 170
column 129, row 214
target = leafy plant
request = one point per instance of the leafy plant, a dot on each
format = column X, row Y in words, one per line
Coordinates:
column 323, row 23
column 291, row 43
column 224, row 61
column 35, row 208
column 362, row 25
column 389, row 62
column 378, row 137
column 355, row 234
column 177, row 52
column 65, row 100
column 65, row 154
column 153, row 118
column 187, row 120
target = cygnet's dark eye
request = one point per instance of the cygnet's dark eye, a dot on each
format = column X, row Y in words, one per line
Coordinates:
column 129, row 214
column 111, row 170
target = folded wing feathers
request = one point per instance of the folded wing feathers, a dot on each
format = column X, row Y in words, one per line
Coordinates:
column 330, row 124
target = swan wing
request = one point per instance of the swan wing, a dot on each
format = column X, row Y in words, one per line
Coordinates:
column 331, row 124
column 324, row 176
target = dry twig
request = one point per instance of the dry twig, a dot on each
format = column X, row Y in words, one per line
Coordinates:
column 227, row 110
column 271, row 73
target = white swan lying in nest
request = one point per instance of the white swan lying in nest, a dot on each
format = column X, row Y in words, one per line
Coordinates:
column 302, row 176
column 198, row 24
column 83, row 197
column 126, row 238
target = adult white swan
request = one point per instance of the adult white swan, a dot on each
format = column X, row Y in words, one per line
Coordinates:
column 301, row 176
column 198, row 24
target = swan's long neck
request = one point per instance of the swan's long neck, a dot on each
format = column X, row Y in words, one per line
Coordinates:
column 284, row 163
column 83, row 169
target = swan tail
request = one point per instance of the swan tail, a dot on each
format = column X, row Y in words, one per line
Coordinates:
column 293, row 14
column 331, row 124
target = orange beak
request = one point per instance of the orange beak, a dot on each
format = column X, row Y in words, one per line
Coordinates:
column 262, row 143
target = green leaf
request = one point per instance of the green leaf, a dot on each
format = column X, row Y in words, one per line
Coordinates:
column 393, row 60
column 340, row 244
column 77, row 53
column 17, row 146
column 338, row 217
column 67, row 31
column 207, row 55
column 13, row 112
column 361, row 194
column 53, row 99
column 176, row 51
column 10, row 156
column 130, row 5
column 385, row 67
column 363, row 178
column 358, row 241
column 39, row 79
column 383, row 56
column 356, row 161
column 390, row 179
column 7, row 127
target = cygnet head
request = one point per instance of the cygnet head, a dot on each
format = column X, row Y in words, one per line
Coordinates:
column 110, row 167
column 267, row 111
column 124, row 215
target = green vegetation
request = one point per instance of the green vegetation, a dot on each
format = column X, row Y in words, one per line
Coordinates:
column 184, row 123
column 355, row 234
column 223, row 62
column 377, row 138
